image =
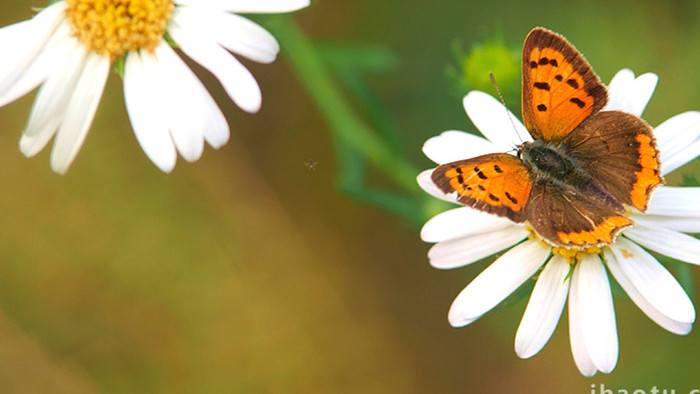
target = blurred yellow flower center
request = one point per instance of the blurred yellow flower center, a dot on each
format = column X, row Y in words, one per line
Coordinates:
column 575, row 255
column 572, row 255
column 115, row 27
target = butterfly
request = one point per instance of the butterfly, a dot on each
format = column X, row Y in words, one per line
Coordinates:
column 585, row 168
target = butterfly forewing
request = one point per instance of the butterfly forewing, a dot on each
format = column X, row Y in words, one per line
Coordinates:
column 496, row 183
column 559, row 87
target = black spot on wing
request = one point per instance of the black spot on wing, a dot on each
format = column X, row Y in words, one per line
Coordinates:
column 541, row 107
column 578, row 102
column 479, row 173
column 572, row 83
column 542, row 85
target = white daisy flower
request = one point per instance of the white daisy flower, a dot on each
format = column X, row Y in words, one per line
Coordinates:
column 69, row 47
column 464, row 235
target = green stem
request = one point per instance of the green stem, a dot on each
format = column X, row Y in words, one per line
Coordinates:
column 335, row 108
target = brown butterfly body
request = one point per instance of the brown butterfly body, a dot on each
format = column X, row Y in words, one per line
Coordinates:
column 585, row 168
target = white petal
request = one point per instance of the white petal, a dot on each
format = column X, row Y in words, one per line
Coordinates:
column 39, row 70
column 28, row 45
column 497, row 281
column 492, row 120
column 80, row 111
column 675, row 201
column 466, row 250
column 459, row 222
column 638, row 298
column 579, row 349
column 590, row 289
column 619, row 89
column 187, row 135
column 8, row 39
column 629, row 94
column 426, row 183
column 677, row 132
column 544, row 308
column 162, row 69
column 191, row 113
column 644, row 87
column 457, row 145
column 248, row 6
column 689, row 153
column 653, row 281
column 146, row 116
column 678, row 140
column 682, row 224
column 238, row 82
column 49, row 109
column 203, row 112
column 234, row 32
column 667, row 242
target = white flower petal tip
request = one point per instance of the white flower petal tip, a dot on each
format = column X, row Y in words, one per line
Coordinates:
column 592, row 317
column 630, row 94
column 653, row 282
column 670, row 243
column 425, row 181
column 145, row 114
column 459, row 222
column 678, row 140
column 582, row 358
column 544, row 308
column 638, row 298
column 239, row 83
column 296, row 5
column 494, row 121
column 80, row 112
column 455, row 145
column 496, row 282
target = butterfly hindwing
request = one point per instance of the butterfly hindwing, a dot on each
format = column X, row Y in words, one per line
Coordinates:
column 619, row 151
column 579, row 222
column 497, row 183
column 559, row 88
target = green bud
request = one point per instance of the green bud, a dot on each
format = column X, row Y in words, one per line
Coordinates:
column 473, row 68
column 491, row 58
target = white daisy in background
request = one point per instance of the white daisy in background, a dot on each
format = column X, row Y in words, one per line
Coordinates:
column 69, row 47
column 465, row 235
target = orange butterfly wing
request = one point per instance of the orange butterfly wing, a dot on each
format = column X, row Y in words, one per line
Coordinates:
column 559, row 89
column 497, row 183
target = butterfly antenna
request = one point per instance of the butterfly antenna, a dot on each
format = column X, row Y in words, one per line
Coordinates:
column 493, row 80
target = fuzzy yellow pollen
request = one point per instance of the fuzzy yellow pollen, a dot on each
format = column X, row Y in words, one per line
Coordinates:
column 115, row 27
column 572, row 255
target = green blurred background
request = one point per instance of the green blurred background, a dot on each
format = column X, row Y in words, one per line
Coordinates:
column 250, row 272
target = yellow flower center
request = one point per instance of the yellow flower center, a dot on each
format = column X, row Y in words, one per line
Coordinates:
column 115, row 27
column 572, row 255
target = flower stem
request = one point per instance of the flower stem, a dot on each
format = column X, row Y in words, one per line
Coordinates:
column 337, row 111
